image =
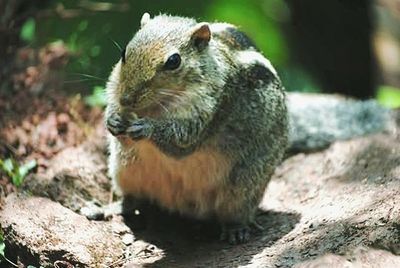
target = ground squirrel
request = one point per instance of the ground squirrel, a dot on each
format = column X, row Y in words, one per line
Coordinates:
column 198, row 120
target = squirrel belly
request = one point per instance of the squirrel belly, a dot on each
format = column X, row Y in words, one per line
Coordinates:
column 193, row 185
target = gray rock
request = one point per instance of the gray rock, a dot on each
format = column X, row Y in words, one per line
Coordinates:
column 41, row 232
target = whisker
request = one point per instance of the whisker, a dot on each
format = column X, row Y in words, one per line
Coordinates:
column 160, row 104
column 177, row 97
column 77, row 81
column 168, row 94
column 174, row 92
column 118, row 46
column 182, row 96
column 90, row 76
column 163, row 106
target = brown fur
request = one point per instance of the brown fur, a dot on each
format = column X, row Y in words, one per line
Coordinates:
column 191, row 185
column 175, row 121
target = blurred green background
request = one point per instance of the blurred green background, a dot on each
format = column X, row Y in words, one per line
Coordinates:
column 309, row 47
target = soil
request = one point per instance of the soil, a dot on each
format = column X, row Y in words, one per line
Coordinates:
column 339, row 207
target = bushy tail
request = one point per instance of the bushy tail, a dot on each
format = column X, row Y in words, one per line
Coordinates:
column 318, row 120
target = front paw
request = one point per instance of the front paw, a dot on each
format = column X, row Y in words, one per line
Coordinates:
column 116, row 125
column 140, row 129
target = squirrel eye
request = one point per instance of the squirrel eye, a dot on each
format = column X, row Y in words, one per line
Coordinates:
column 173, row 62
column 123, row 55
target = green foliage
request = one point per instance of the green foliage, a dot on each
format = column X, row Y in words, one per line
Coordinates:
column 295, row 79
column 2, row 246
column 28, row 30
column 84, row 47
column 389, row 96
column 16, row 172
column 89, row 35
column 3, row 253
column 263, row 21
column 260, row 20
column 97, row 99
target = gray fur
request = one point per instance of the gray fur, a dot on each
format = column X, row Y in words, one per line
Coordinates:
column 230, row 102
column 318, row 120
column 226, row 97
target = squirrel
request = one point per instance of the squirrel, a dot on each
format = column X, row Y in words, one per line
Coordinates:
column 199, row 119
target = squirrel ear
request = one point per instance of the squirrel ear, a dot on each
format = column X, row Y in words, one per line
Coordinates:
column 145, row 19
column 201, row 35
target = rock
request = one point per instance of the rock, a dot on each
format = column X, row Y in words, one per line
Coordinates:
column 75, row 175
column 41, row 232
column 337, row 207
column 361, row 257
column 128, row 239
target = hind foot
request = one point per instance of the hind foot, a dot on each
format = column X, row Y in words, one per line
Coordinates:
column 235, row 233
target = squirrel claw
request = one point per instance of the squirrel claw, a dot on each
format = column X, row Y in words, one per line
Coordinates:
column 115, row 125
column 236, row 234
column 140, row 129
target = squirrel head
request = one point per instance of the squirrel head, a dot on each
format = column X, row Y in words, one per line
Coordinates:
column 165, row 59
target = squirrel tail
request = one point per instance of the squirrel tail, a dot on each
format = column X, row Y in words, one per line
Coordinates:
column 318, row 120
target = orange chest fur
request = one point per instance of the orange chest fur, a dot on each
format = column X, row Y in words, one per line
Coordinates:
column 174, row 183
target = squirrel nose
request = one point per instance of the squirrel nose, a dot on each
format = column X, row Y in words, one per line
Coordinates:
column 130, row 98
column 126, row 100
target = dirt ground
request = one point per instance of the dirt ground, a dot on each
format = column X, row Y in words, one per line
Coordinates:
column 339, row 207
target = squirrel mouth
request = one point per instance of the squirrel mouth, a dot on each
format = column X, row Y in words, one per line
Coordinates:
column 155, row 105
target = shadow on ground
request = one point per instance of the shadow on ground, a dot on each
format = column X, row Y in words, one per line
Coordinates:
column 188, row 243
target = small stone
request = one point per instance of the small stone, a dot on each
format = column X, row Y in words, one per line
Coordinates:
column 362, row 162
column 128, row 239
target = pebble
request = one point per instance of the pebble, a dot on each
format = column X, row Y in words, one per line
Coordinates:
column 128, row 239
